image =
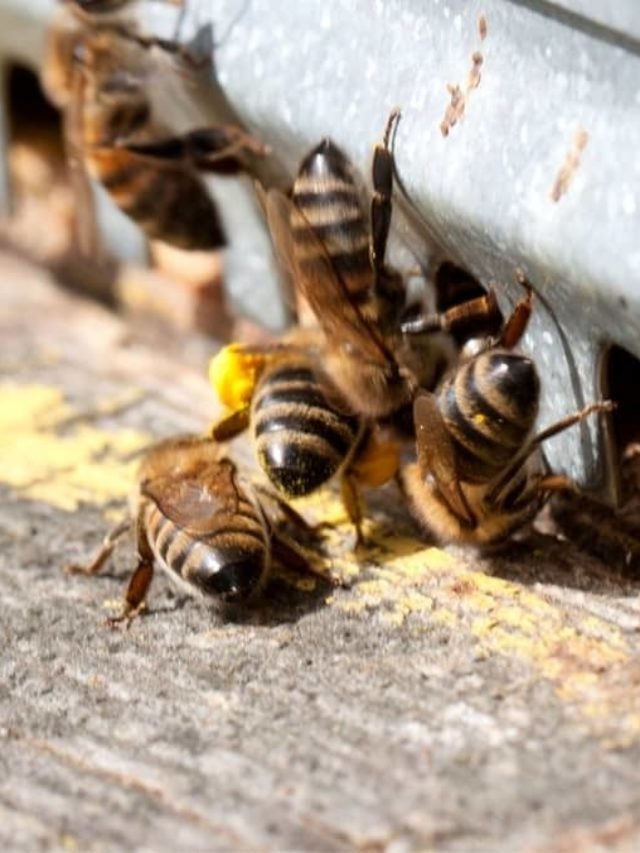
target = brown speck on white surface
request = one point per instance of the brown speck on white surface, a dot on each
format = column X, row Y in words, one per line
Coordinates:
column 455, row 109
column 482, row 27
column 570, row 165
column 458, row 97
column 474, row 74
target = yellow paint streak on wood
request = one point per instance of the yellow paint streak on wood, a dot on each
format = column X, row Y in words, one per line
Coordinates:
column 443, row 617
column 48, row 453
column 584, row 657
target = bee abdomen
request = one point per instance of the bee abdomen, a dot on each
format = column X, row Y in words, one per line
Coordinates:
column 327, row 200
column 510, row 383
column 172, row 205
column 489, row 409
column 301, row 441
column 230, row 567
column 229, row 562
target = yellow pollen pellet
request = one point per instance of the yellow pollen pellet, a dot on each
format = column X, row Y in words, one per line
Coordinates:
column 234, row 374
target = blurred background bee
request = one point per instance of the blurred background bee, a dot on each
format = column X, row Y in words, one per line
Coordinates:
column 97, row 71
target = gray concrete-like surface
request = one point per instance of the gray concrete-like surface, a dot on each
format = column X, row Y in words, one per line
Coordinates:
column 470, row 706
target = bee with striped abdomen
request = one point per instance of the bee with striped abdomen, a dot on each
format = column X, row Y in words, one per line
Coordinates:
column 196, row 517
column 335, row 259
column 302, row 433
column 334, row 253
column 97, row 71
column 480, row 475
column 99, row 7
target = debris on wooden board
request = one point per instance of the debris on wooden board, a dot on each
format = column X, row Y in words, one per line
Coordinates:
column 400, row 712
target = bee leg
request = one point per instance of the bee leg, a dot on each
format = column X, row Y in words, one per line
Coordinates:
column 474, row 316
column 382, row 179
column 516, row 324
column 534, row 443
column 286, row 552
column 139, row 583
column 96, row 565
column 229, row 426
column 210, row 145
column 350, row 495
column 376, row 461
column 570, row 420
column 135, row 596
column 196, row 54
column 218, row 149
column 556, row 483
column 311, row 532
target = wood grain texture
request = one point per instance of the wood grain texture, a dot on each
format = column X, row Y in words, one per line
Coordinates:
column 442, row 702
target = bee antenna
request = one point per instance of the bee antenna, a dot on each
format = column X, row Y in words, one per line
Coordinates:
column 244, row 8
column 389, row 138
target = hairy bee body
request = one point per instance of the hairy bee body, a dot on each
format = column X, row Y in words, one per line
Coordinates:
column 209, row 529
column 488, row 409
column 171, row 204
column 332, row 237
column 303, row 431
column 200, row 522
column 97, row 70
column 480, row 475
column 169, row 201
column 489, row 406
column 327, row 201
column 228, row 562
column 336, row 249
column 301, row 440
column 492, row 526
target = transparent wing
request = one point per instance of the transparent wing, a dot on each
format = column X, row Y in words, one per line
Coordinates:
column 340, row 319
column 192, row 502
column 436, row 455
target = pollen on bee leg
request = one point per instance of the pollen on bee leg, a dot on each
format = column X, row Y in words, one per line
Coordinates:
column 234, row 373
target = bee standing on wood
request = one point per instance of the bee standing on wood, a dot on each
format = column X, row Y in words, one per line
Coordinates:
column 480, row 475
column 196, row 517
column 97, row 70
column 302, row 434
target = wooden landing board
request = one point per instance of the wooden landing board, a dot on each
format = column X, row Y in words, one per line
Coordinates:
column 443, row 702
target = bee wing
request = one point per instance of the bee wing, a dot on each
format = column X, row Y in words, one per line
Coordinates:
column 436, row 455
column 282, row 248
column 193, row 502
column 339, row 317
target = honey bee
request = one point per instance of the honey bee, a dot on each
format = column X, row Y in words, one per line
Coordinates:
column 302, row 434
column 196, row 517
column 97, row 71
column 334, row 254
column 479, row 475
column 99, row 7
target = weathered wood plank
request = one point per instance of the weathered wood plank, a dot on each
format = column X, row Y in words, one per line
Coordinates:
column 443, row 701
